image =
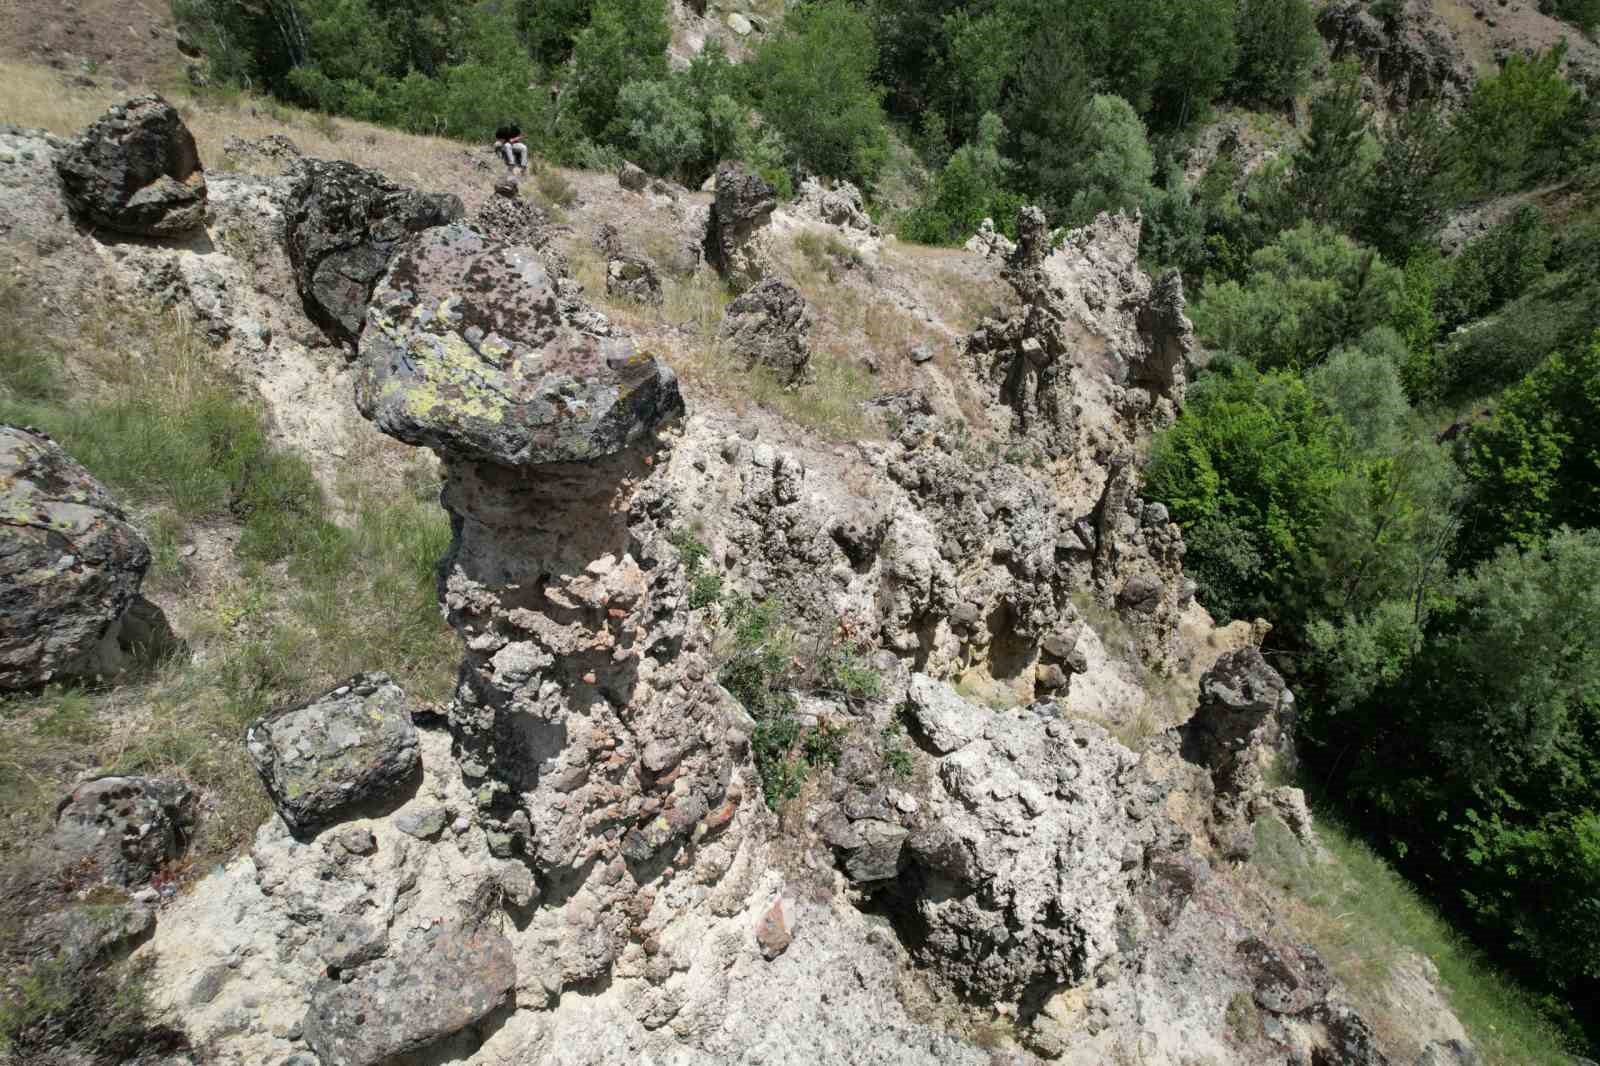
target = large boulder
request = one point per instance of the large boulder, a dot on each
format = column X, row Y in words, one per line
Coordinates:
column 346, row 225
column 121, row 829
column 740, row 213
column 136, row 171
column 70, row 567
column 466, row 351
column 352, row 746
column 770, row 326
column 443, row 981
column 633, row 277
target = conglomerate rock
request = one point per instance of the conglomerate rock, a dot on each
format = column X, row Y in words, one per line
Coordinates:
column 70, row 569
column 136, row 171
column 346, row 224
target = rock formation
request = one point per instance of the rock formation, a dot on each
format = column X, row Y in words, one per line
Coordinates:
column 345, row 226
column 70, row 570
column 990, row 242
column 735, row 238
column 136, row 171
column 839, row 204
column 1413, row 57
column 770, row 326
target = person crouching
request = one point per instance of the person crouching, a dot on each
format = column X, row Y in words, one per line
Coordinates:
column 508, row 142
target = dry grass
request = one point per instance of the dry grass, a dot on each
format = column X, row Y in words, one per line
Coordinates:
column 37, row 96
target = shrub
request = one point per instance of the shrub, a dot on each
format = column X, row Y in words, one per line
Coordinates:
column 1515, row 125
column 1277, row 44
column 971, row 187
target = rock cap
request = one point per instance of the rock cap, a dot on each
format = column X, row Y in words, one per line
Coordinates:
column 466, row 352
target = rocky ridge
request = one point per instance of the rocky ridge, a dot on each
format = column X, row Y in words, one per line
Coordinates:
column 583, row 870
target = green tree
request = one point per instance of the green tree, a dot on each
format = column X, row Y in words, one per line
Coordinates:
column 1248, row 471
column 972, row 186
column 626, row 40
column 549, row 27
column 1310, row 291
column 1494, row 269
column 1516, row 124
column 1412, row 183
column 1331, row 167
column 1277, row 42
column 1536, row 464
column 663, row 129
column 813, row 83
column 1113, row 167
column 1361, row 385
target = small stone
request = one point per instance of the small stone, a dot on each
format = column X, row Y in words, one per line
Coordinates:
column 922, row 353
column 775, row 930
column 739, row 24
column 423, row 823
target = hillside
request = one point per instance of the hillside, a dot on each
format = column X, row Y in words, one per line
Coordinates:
column 763, row 638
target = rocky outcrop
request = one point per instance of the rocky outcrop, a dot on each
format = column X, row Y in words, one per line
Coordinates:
column 735, row 230
column 71, row 567
column 345, row 226
column 350, row 747
column 121, row 830
column 632, row 177
column 770, row 326
column 136, row 171
column 990, row 242
column 1413, row 56
column 443, row 981
column 837, row 204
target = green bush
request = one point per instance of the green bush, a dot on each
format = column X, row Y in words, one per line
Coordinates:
column 1494, row 269
column 1584, row 14
column 1516, row 124
column 971, row 187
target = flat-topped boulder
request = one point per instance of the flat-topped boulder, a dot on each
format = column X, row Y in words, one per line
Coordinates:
column 466, row 351
column 351, row 746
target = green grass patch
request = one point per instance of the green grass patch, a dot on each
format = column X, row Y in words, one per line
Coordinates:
column 1362, row 917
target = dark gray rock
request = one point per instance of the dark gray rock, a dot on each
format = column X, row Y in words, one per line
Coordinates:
column 467, row 352
column 347, row 941
column 878, row 856
column 136, row 171
column 70, row 568
column 743, row 206
column 632, row 277
column 350, row 746
column 424, row 823
column 770, row 326
column 632, row 178
column 122, row 829
column 80, row 936
column 346, row 225
column 439, row 984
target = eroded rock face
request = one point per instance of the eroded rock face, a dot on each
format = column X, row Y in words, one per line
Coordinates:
column 770, row 326
column 1413, row 58
column 467, row 352
column 352, row 746
column 840, row 204
column 346, row 224
column 70, row 569
column 136, row 171
column 441, row 982
column 740, row 213
column 122, row 829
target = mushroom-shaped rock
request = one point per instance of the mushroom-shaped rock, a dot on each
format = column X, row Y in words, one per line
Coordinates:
column 441, row 982
column 466, row 352
column 350, row 746
column 70, row 566
column 345, row 228
column 770, row 326
column 136, row 171
column 122, row 829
